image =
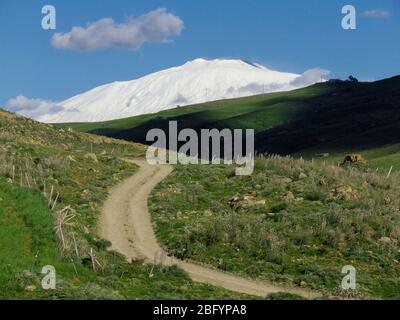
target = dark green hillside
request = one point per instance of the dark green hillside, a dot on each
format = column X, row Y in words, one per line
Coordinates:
column 257, row 112
column 321, row 118
column 361, row 116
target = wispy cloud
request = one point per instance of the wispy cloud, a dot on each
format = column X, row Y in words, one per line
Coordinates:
column 376, row 13
column 32, row 108
column 310, row 77
column 154, row 27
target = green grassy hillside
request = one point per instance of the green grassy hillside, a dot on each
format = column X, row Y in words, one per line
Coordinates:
column 52, row 185
column 329, row 118
column 292, row 221
column 258, row 112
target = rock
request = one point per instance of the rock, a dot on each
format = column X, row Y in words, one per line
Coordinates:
column 233, row 202
column 30, row 288
column 344, row 192
column 354, row 159
column 322, row 155
column 303, row 284
column 207, row 213
column 91, row 156
column 287, row 180
column 385, row 240
column 289, row 197
column 302, row 175
column 249, row 201
column 396, row 233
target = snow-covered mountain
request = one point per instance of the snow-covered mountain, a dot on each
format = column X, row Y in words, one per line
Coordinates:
column 196, row 81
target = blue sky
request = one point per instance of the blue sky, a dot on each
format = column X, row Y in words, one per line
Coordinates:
column 285, row 35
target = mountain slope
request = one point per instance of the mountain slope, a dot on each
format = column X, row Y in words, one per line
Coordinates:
column 196, row 81
column 326, row 117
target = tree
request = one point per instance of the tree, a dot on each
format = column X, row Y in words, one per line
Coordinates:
column 353, row 79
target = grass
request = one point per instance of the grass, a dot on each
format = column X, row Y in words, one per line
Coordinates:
column 286, row 228
column 296, row 222
column 28, row 240
column 52, row 185
column 293, row 221
column 28, row 243
column 381, row 158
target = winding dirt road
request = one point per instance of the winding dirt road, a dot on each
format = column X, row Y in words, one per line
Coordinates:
column 126, row 222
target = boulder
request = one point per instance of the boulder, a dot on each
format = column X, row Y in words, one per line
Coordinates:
column 288, row 198
column 396, row 233
column 30, row 288
column 207, row 213
column 249, row 201
column 354, row 159
column 302, row 175
column 287, row 180
column 91, row 156
column 233, row 202
column 385, row 240
column 344, row 192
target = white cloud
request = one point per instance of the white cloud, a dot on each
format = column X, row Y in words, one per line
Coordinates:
column 376, row 13
column 32, row 108
column 154, row 27
column 310, row 77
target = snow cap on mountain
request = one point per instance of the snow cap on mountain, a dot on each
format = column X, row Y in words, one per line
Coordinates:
column 196, row 81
